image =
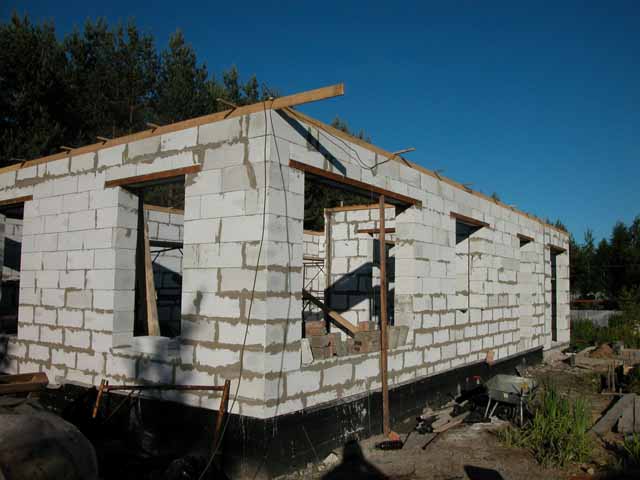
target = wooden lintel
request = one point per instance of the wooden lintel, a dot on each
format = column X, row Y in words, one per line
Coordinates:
column 351, row 208
column 334, row 316
column 469, row 220
column 165, row 244
column 14, row 201
column 151, row 177
column 357, row 184
column 153, row 324
column 556, row 249
column 525, row 238
column 372, row 231
column 314, row 232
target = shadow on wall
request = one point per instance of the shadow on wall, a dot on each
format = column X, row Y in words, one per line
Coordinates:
column 4, row 345
column 169, row 298
column 356, row 287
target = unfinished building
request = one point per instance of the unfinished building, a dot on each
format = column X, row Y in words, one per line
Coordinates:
column 244, row 293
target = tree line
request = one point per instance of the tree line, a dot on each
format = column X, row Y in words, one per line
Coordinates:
column 610, row 269
column 100, row 81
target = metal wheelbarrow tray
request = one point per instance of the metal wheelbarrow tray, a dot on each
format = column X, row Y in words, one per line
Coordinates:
column 510, row 388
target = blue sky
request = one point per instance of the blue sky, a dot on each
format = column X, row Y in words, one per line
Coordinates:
column 537, row 101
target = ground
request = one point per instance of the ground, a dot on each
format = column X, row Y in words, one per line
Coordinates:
column 474, row 451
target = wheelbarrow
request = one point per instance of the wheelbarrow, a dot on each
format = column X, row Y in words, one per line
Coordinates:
column 510, row 389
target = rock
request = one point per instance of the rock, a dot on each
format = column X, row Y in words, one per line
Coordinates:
column 331, row 460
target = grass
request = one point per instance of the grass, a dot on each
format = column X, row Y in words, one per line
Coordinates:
column 631, row 448
column 557, row 433
column 621, row 328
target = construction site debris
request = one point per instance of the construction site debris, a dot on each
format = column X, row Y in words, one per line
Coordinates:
column 626, row 405
column 603, row 351
column 23, row 383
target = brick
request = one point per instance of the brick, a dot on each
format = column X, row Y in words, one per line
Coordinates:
column 45, row 315
column 367, row 369
column 38, row 352
column 77, row 338
column 29, row 332
column 54, row 261
column 338, row 375
column 72, row 279
column 79, row 298
column 111, row 156
column 155, row 372
column 304, row 381
column 80, row 260
column 51, row 335
column 179, row 140
column 93, row 362
column 70, row 318
column 82, row 220
column 218, row 357
column 101, row 342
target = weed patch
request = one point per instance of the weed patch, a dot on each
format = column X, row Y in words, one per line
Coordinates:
column 557, row 433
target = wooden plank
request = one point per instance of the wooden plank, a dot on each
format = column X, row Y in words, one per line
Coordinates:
column 373, row 148
column 469, row 220
column 335, row 317
column 313, row 232
column 23, row 383
column 153, row 325
column 14, row 201
column 278, row 103
column 351, row 208
column 158, row 208
column 151, row 177
column 349, row 182
column 384, row 338
column 609, row 419
column 371, row 231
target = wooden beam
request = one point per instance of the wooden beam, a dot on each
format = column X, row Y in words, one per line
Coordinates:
column 357, row 184
column 556, row 249
column 384, row 338
column 384, row 153
column 222, row 410
column 23, row 383
column 371, row 231
column 525, row 238
column 153, row 325
column 14, row 201
column 278, row 103
column 151, row 177
column 335, row 317
column 469, row 220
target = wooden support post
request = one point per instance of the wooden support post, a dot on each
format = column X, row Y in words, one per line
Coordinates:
column 153, row 325
column 384, row 339
column 146, row 317
column 328, row 253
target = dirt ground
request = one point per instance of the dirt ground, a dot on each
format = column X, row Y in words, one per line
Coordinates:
column 473, row 451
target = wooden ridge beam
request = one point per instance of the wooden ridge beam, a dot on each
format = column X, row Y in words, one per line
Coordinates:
column 334, row 316
column 357, row 184
column 390, row 155
column 277, row 103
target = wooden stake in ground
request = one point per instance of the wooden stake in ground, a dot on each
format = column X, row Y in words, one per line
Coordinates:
column 384, row 339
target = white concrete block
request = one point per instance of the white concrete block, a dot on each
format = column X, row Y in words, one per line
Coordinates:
column 218, row 357
column 82, row 220
column 77, row 338
column 108, row 157
column 179, row 140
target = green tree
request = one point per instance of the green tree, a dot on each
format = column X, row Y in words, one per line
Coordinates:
column 33, row 96
column 184, row 87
